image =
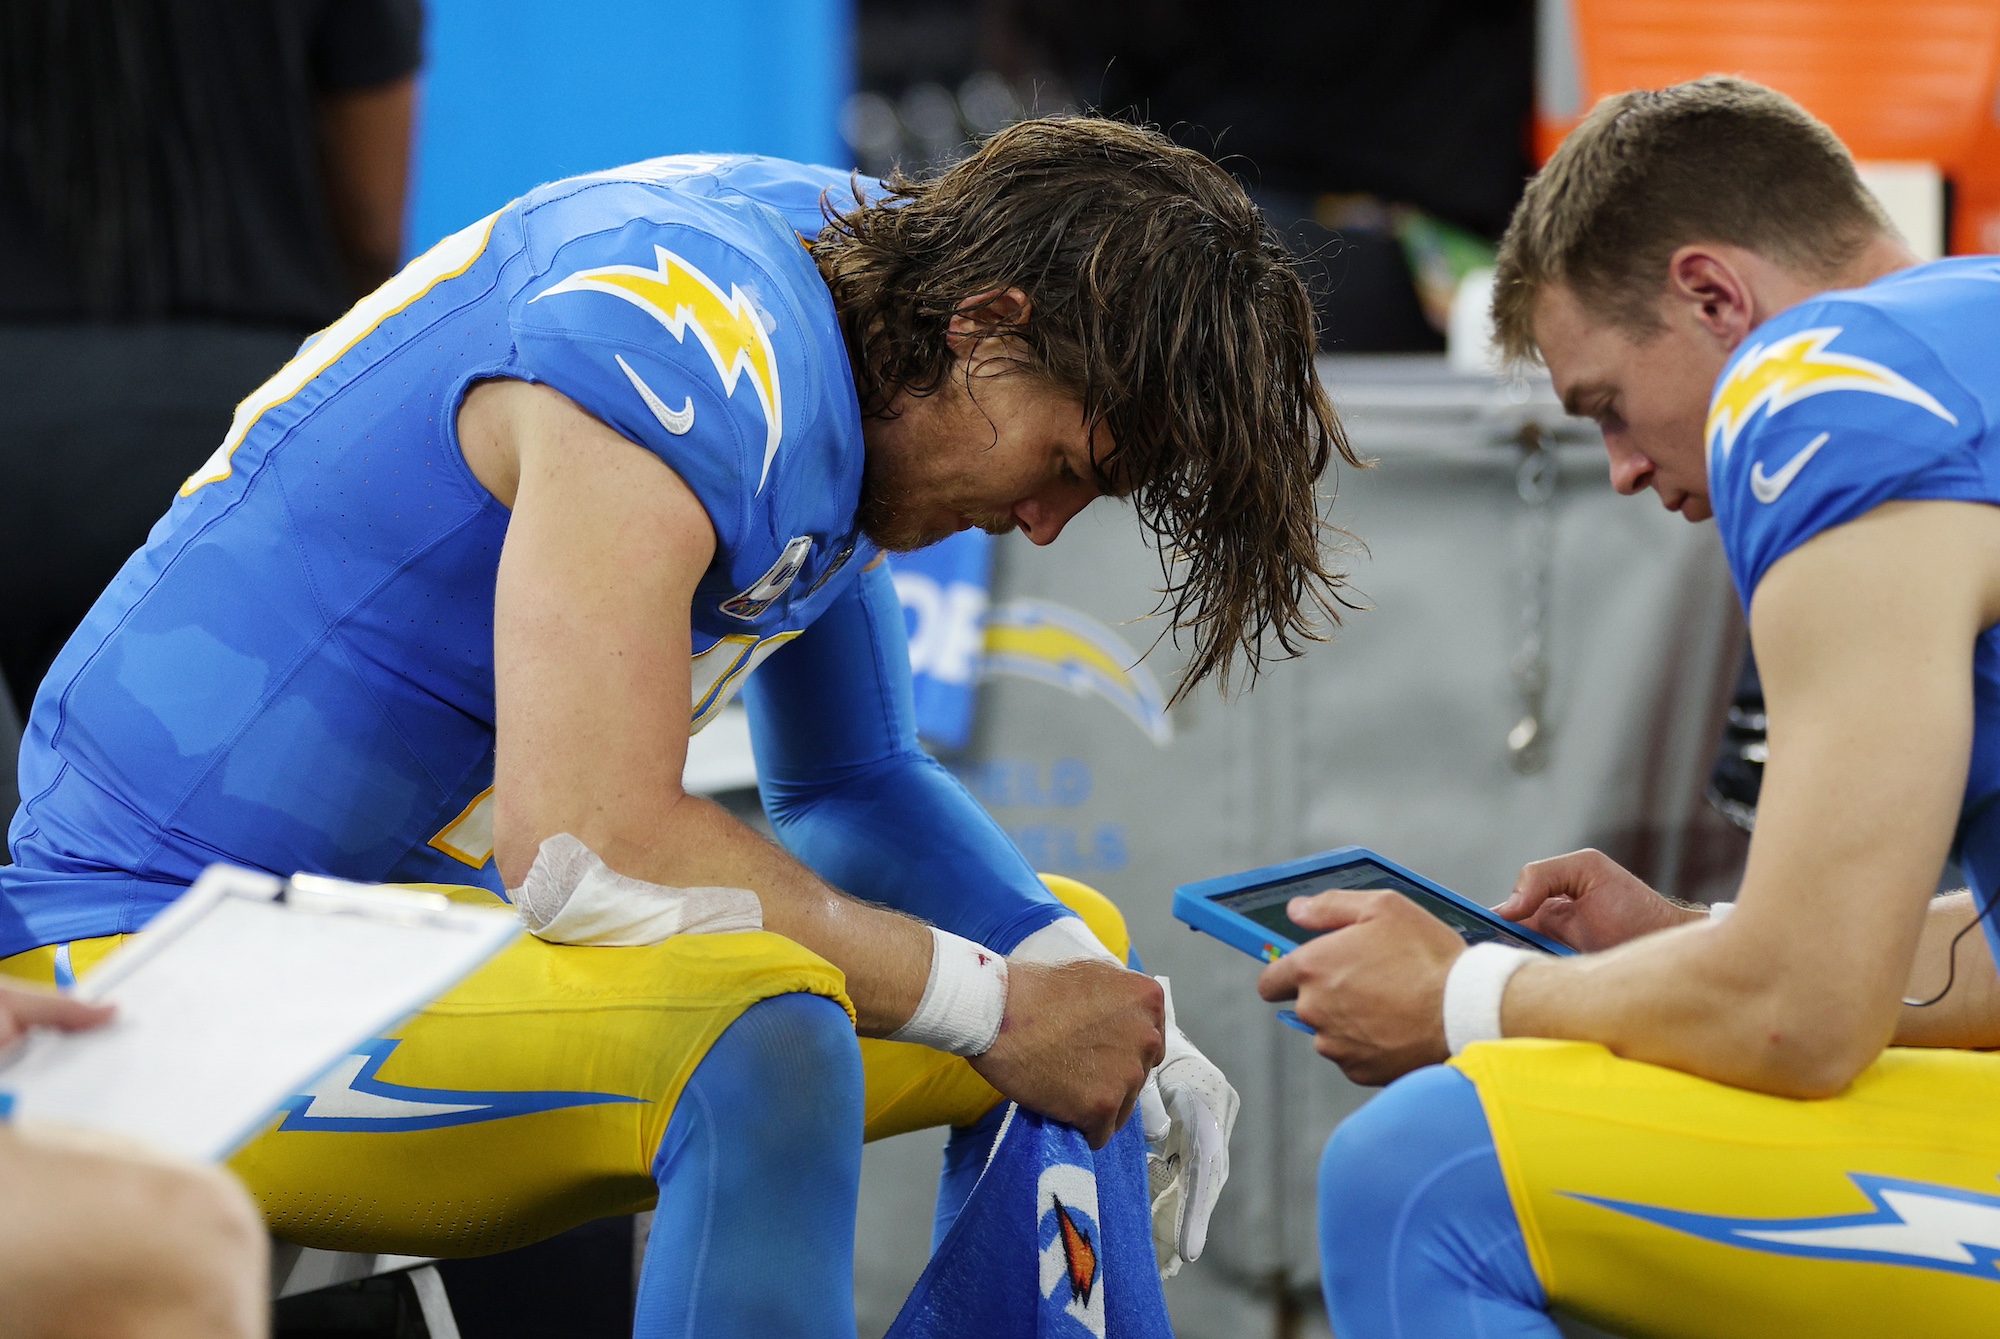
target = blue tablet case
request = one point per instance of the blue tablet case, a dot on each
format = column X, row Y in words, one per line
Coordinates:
column 1205, row 906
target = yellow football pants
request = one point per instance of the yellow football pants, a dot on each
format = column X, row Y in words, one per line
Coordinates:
column 532, row 1097
column 1656, row 1204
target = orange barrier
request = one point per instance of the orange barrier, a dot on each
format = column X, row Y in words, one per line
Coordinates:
column 1909, row 80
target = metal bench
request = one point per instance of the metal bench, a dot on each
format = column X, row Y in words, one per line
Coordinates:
column 298, row 1269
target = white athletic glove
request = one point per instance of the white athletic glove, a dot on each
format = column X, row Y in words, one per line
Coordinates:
column 1189, row 1110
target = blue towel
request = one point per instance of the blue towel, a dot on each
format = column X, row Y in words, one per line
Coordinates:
column 1055, row 1242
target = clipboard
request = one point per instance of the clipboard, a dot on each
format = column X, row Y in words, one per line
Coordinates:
column 238, row 996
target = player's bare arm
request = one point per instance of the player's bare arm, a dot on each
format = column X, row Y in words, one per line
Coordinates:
column 1590, row 902
column 1854, row 820
column 603, row 552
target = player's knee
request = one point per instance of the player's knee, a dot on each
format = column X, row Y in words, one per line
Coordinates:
column 207, row 1254
column 158, row 1251
column 1099, row 912
column 1380, row 1156
column 788, row 1068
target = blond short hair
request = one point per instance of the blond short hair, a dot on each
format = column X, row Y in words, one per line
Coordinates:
column 1717, row 159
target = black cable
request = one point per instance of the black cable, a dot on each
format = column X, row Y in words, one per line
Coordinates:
column 1951, row 958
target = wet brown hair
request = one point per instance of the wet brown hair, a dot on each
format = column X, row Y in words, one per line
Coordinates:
column 1716, row 159
column 1160, row 300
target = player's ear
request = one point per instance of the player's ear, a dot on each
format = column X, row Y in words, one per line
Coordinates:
column 1707, row 287
column 1000, row 311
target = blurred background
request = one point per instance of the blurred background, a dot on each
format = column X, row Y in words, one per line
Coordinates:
column 190, row 187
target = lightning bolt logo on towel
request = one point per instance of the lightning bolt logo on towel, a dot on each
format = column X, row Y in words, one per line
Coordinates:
column 1071, row 1267
column 682, row 298
column 1775, row 376
column 1911, row 1223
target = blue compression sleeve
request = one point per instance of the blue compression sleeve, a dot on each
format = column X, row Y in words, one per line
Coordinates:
column 852, row 794
column 759, row 1174
column 1417, row 1238
column 965, row 1155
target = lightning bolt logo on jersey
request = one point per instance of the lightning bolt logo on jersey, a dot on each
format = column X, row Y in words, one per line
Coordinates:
column 1776, row 375
column 1854, row 399
column 297, row 672
column 682, row 298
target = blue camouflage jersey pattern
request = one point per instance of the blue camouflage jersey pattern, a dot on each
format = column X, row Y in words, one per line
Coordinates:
column 296, row 672
column 1879, row 394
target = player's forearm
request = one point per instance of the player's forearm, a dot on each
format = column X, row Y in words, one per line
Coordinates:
column 854, row 796
column 1967, row 1014
column 904, row 834
column 1721, row 1001
column 694, row 843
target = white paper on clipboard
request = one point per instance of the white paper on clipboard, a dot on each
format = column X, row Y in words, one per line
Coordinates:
column 236, row 998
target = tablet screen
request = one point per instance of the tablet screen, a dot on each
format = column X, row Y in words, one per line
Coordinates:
column 1266, row 905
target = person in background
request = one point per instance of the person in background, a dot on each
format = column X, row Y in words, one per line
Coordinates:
column 1386, row 143
column 188, row 188
column 99, row 1237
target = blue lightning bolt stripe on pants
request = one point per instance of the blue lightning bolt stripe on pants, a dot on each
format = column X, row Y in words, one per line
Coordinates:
column 1471, row 1200
column 557, row 1084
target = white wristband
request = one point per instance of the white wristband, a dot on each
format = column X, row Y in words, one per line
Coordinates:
column 1473, row 990
column 1719, row 911
column 964, row 1000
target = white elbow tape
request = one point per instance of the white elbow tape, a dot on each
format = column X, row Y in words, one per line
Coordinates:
column 1058, row 942
column 964, row 1000
column 1719, row 911
column 1473, row 990
column 572, row 897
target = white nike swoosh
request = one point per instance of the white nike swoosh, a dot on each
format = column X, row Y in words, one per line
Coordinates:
column 335, row 1097
column 680, row 422
column 1767, row 487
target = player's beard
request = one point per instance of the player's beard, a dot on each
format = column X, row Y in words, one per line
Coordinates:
column 902, row 511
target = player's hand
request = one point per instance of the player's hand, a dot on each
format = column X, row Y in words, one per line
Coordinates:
column 1077, row 1042
column 1589, row 901
column 1187, row 1145
column 1373, row 991
column 22, row 1008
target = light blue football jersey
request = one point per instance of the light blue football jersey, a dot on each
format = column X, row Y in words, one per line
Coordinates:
column 296, row 672
column 1878, row 394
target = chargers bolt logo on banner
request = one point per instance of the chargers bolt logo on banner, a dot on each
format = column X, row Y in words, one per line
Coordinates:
column 682, row 298
column 1055, row 645
column 1066, row 1216
column 1778, row 375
